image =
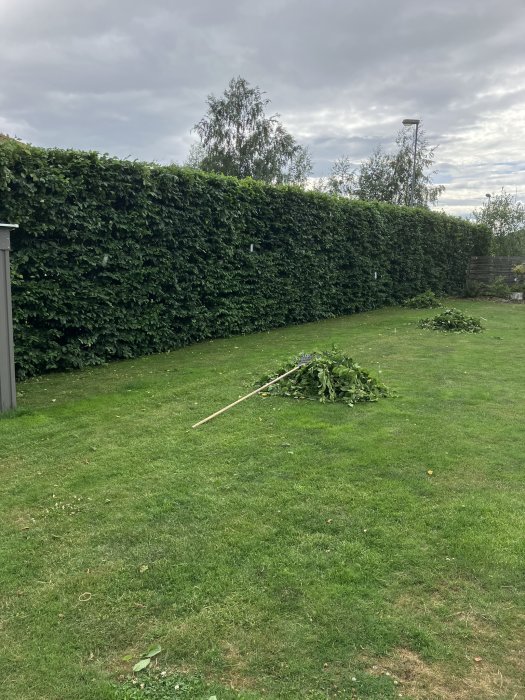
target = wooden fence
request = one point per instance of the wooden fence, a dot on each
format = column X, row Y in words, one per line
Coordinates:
column 488, row 268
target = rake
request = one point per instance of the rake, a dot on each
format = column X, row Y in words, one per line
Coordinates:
column 304, row 360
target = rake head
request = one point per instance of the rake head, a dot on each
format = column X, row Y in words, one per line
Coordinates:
column 304, row 360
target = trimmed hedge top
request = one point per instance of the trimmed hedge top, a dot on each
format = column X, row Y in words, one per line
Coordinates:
column 117, row 259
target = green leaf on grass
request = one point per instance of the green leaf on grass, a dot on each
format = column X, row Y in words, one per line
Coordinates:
column 143, row 663
column 153, row 651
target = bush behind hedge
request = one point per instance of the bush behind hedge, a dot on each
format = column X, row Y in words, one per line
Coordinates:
column 117, row 259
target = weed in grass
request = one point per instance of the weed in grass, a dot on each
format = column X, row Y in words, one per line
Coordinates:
column 160, row 685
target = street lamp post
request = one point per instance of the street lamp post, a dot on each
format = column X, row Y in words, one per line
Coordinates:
column 489, row 200
column 489, row 212
column 412, row 122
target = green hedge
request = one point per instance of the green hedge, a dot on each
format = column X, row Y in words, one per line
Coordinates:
column 118, row 259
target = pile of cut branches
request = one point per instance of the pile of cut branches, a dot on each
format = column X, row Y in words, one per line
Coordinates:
column 329, row 376
column 452, row 320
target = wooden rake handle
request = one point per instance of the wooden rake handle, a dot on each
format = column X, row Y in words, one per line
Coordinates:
column 261, row 388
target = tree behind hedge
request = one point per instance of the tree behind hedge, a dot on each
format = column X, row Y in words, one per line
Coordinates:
column 387, row 177
column 237, row 138
column 504, row 215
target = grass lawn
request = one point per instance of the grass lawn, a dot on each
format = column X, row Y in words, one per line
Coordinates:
column 287, row 549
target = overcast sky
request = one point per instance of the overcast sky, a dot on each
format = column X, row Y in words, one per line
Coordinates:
column 131, row 78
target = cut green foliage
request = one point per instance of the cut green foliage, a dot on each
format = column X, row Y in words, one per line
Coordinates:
column 118, row 259
column 426, row 300
column 453, row 320
column 330, row 376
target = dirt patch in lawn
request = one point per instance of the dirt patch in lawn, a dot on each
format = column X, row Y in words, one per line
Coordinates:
column 235, row 676
column 424, row 681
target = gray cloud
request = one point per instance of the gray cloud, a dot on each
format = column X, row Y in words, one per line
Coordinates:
column 131, row 78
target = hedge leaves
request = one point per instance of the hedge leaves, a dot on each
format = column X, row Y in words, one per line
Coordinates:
column 117, row 259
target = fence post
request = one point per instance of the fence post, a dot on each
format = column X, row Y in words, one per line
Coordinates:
column 7, row 359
